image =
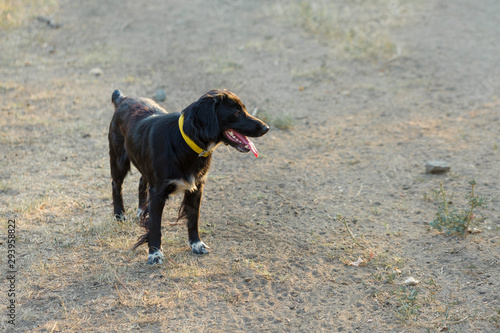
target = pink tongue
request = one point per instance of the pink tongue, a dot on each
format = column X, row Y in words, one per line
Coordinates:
column 248, row 142
column 253, row 149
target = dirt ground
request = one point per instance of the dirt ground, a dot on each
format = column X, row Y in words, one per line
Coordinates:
column 359, row 97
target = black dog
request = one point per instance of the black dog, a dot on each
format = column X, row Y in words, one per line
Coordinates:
column 172, row 151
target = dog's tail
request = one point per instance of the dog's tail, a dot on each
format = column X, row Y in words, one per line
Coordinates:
column 143, row 222
column 143, row 239
column 117, row 97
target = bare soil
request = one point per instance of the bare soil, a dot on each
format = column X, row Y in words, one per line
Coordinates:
column 354, row 119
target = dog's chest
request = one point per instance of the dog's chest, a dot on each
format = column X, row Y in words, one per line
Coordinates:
column 183, row 185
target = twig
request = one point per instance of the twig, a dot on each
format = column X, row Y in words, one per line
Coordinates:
column 321, row 198
column 360, row 189
column 461, row 248
column 445, row 202
column 63, row 305
column 120, row 294
column 343, row 220
column 123, row 284
column 126, row 25
column 174, row 224
column 471, row 212
column 349, row 230
column 398, row 54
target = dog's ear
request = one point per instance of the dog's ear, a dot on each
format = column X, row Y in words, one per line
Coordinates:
column 208, row 116
column 202, row 117
column 218, row 99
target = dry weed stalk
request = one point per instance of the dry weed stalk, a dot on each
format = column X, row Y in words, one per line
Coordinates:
column 353, row 237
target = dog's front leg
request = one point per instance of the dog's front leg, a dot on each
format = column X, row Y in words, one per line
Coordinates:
column 156, row 205
column 191, row 210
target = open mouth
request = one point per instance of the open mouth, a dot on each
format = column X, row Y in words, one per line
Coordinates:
column 240, row 142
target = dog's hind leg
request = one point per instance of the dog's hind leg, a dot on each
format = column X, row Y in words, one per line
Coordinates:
column 143, row 198
column 190, row 209
column 120, row 166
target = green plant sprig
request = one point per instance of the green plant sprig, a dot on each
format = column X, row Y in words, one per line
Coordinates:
column 451, row 220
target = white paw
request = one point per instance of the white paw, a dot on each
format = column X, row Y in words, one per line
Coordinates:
column 139, row 213
column 156, row 258
column 199, row 248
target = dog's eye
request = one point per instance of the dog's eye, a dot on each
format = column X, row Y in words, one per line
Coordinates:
column 237, row 113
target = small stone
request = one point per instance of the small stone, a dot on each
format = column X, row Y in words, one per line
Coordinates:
column 49, row 22
column 411, row 281
column 437, row 166
column 160, row 95
column 96, row 71
column 248, row 279
column 474, row 231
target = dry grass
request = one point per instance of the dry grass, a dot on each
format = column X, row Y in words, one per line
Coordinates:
column 221, row 64
column 282, row 122
column 356, row 30
column 14, row 13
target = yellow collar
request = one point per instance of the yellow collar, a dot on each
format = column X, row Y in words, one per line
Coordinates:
column 194, row 146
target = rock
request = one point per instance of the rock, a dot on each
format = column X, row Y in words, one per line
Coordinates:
column 49, row 22
column 411, row 281
column 437, row 167
column 96, row 71
column 160, row 95
column 474, row 231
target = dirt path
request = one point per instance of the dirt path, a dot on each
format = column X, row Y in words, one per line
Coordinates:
column 355, row 116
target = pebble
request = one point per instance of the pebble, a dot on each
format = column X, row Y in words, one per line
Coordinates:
column 160, row 95
column 436, row 166
column 411, row 281
column 96, row 71
column 49, row 22
column 474, row 231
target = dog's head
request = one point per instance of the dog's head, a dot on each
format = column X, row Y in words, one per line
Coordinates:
column 220, row 116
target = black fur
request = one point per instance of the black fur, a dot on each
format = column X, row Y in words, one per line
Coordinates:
column 143, row 133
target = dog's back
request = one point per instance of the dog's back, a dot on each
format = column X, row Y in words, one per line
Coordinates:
column 130, row 111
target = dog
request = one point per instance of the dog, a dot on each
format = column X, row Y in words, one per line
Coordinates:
column 173, row 151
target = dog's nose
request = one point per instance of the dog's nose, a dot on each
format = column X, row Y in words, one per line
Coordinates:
column 265, row 129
